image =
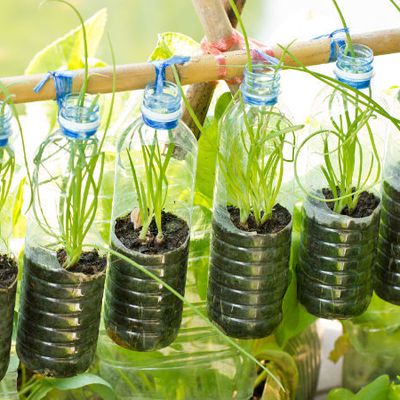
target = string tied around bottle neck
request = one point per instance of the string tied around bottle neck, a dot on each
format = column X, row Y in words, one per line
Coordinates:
column 162, row 108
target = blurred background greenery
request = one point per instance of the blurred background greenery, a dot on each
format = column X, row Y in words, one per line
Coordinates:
column 132, row 24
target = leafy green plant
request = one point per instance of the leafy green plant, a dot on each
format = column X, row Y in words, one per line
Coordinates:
column 81, row 184
column 7, row 169
column 343, row 167
column 253, row 169
column 381, row 388
column 151, row 193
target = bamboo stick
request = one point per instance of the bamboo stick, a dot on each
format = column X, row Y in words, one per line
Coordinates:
column 199, row 95
column 199, row 69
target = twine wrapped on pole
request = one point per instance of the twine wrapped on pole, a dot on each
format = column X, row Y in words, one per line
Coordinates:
column 217, row 19
column 198, row 69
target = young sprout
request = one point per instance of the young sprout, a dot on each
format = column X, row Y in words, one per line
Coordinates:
column 152, row 193
column 82, row 93
column 349, row 42
column 81, row 183
column 253, row 169
column 7, row 165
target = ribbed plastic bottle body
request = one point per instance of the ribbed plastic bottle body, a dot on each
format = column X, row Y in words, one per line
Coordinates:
column 337, row 251
column 60, row 309
column 387, row 266
column 140, row 313
column 8, row 264
column 249, row 271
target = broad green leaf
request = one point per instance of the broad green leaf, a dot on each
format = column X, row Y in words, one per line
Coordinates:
column 341, row 394
column 174, row 43
column 67, row 51
column 376, row 390
column 208, row 150
column 96, row 384
column 379, row 389
column 64, row 53
column 295, row 317
column 342, row 345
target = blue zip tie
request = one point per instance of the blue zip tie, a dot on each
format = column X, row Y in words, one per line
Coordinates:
column 266, row 57
column 160, row 67
column 335, row 42
column 62, row 83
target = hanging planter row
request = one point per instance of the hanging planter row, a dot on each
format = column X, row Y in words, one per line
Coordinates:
column 65, row 267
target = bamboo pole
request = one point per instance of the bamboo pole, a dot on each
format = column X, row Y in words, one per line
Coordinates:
column 200, row 95
column 198, row 69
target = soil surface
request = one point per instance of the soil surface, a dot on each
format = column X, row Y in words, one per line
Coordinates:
column 175, row 231
column 367, row 202
column 8, row 271
column 90, row 263
column 280, row 218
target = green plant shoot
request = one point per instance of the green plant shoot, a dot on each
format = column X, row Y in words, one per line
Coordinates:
column 152, row 191
column 7, row 169
column 80, row 185
column 253, row 169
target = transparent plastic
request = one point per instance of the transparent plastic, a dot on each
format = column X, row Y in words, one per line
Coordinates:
column 199, row 365
column 387, row 266
column 8, row 264
column 159, row 153
column 374, row 349
column 249, row 271
column 8, row 386
column 337, row 251
column 60, row 309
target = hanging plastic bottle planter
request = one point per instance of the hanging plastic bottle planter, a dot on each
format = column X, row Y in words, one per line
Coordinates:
column 64, row 275
column 387, row 266
column 8, row 264
column 152, row 209
column 249, row 264
column 341, row 214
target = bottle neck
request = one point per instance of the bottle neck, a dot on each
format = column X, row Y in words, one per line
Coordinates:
column 261, row 86
column 162, row 109
column 357, row 69
column 79, row 121
column 5, row 125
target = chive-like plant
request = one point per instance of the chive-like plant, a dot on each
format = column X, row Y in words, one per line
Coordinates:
column 152, row 191
column 55, row 338
column 334, row 272
column 8, row 265
column 249, row 261
column 80, row 186
column 153, row 201
column 253, row 168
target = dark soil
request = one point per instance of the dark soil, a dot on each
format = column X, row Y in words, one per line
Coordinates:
column 367, row 203
column 8, row 271
column 175, row 231
column 280, row 218
column 90, row 263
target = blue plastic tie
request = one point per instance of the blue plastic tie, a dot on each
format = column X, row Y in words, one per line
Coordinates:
column 267, row 57
column 335, row 42
column 161, row 65
column 62, row 83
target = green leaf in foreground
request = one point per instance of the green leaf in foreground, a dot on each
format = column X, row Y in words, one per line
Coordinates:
column 379, row 389
column 67, row 51
column 171, row 43
column 44, row 386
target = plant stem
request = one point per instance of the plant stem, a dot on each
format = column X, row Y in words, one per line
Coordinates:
column 245, row 36
column 348, row 36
